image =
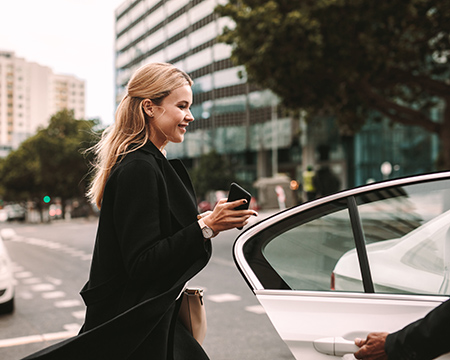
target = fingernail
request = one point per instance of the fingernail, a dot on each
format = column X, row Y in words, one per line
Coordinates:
column 245, row 201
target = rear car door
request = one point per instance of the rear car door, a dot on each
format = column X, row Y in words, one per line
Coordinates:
column 374, row 258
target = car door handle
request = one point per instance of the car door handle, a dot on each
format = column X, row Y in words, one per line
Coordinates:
column 337, row 346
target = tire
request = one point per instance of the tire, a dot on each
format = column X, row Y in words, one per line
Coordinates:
column 7, row 307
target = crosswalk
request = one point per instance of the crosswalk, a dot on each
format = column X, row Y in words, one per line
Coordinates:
column 29, row 286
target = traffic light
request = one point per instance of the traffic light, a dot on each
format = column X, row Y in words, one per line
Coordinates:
column 47, row 199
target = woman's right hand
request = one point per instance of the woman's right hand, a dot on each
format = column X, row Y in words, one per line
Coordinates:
column 224, row 217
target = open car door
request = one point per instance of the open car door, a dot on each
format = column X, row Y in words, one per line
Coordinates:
column 373, row 258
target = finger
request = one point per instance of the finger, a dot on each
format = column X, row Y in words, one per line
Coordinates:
column 360, row 342
column 234, row 204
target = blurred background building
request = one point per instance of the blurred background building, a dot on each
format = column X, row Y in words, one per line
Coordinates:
column 29, row 95
column 244, row 122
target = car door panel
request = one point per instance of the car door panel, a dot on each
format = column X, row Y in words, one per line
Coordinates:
column 369, row 259
column 304, row 318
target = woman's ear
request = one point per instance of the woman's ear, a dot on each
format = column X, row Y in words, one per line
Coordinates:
column 147, row 106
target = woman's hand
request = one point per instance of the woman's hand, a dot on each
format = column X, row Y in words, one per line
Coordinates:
column 224, row 217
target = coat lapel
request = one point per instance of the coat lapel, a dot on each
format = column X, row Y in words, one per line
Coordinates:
column 182, row 201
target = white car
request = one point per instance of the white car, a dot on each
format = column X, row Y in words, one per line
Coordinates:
column 6, row 280
column 416, row 263
column 387, row 245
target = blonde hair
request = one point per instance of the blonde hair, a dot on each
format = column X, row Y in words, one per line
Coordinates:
column 153, row 81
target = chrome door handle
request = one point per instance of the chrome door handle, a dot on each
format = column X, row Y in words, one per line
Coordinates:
column 337, row 346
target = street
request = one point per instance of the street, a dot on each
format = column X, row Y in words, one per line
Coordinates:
column 51, row 264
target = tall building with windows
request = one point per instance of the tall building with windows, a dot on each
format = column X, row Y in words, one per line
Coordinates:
column 29, row 95
column 244, row 122
column 231, row 116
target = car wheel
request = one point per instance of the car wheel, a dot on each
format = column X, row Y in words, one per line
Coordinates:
column 7, row 307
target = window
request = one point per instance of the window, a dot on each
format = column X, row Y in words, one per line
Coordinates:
column 398, row 237
column 305, row 255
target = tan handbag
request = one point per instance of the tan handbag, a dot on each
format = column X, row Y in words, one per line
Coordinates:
column 192, row 313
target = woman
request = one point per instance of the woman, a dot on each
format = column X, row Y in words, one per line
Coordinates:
column 149, row 241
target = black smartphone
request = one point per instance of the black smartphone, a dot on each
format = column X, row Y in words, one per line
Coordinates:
column 237, row 193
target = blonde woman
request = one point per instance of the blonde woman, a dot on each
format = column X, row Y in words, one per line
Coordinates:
column 149, row 241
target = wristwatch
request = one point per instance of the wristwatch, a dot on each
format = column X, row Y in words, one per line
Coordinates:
column 207, row 232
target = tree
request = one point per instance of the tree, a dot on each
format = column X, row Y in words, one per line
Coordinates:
column 213, row 172
column 350, row 58
column 51, row 162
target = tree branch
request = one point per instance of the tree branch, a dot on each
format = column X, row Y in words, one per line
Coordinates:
column 438, row 88
column 394, row 111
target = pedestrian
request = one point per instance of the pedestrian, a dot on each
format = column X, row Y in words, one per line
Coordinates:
column 424, row 339
column 326, row 182
column 308, row 183
column 150, row 238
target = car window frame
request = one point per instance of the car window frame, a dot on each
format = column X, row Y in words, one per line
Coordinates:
column 349, row 197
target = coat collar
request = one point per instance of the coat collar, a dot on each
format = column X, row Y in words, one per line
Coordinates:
column 182, row 200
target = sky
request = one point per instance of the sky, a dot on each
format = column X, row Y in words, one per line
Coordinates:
column 74, row 37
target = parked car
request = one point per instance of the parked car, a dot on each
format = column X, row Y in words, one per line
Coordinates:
column 416, row 263
column 372, row 258
column 15, row 212
column 6, row 279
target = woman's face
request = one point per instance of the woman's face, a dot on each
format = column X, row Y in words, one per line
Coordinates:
column 172, row 117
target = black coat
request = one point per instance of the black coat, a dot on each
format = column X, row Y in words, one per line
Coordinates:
column 424, row 339
column 148, row 245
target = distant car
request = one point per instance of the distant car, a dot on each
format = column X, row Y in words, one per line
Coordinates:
column 6, row 281
column 372, row 258
column 15, row 212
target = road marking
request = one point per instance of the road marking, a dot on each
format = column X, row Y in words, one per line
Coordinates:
column 23, row 274
column 224, row 262
column 16, row 267
column 67, row 303
column 43, row 287
column 79, row 314
column 257, row 309
column 53, row 280
column 26, row 295
column 38, row 338
column 31, row 281
column 223, row 298
column 53, row 294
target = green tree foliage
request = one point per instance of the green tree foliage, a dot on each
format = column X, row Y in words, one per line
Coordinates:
column 350, row 58
column 213, row 172
column 51, row 162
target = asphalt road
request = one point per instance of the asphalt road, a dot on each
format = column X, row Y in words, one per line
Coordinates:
column 51, row 264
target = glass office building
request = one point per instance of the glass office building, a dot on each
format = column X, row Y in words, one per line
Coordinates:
column 242, row 121
column 231, row 116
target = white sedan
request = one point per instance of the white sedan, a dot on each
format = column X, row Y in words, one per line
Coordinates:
column 417, row 263
column 6, row 279
column 373, row 258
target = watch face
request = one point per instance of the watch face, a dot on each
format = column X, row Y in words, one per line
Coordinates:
column 207, row 232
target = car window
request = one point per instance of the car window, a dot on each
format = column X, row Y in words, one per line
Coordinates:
column 301, row 251
column 407, row 236
column 306, row 255
column 402, row 235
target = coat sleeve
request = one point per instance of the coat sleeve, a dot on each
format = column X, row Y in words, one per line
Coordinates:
column 424, row 339
column 150, row 253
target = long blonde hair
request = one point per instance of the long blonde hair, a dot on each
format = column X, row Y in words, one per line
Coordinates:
column 153, row 81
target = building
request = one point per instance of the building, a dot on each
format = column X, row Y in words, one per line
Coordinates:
column 29, row 95
column 232, row 117
column 242, row 121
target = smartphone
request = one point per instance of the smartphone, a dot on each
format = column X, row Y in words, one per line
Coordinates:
column 237, row 193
